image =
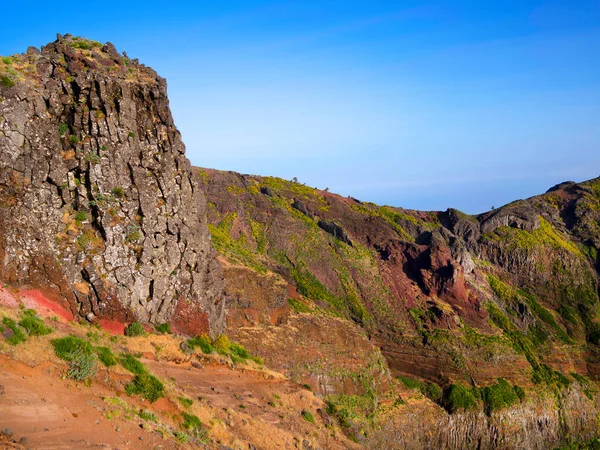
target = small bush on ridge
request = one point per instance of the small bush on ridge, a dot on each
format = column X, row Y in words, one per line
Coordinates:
column 132, row 364
column 82, row 365
column 146, row 385
column 18, row 335
column 135, row 329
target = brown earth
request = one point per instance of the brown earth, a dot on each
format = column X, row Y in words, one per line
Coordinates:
column 242, row 405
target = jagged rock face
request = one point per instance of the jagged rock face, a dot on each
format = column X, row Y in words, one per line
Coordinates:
column 538, row 425
column 97, row 201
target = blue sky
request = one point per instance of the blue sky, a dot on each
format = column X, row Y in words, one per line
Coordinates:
column 423, row 105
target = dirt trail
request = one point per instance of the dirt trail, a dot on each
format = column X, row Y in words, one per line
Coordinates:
column 60, row 414
column 240, row 407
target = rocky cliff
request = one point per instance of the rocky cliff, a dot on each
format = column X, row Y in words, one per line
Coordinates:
column 98, row 206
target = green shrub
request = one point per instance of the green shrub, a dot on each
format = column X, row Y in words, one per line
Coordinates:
column 73, row 139
column 65, row 347
column 238, row 351
column 6, row 80
column 181, row 436
column 63, row 128
column 204, row 342
column 82, row 364
column 562, row 380
column 164, row 328
column 85, row 44
column 593, row 444
column 146, row 385
column 308, row 416
column 131, row 134
column 81, row 216
column 297, row 306
column 341, row 414
column 432, row 391
column 185, row 402
column 222, row 344
column 194, row 427
column 33, row 324
column 520, row 392
column 499, row 395
column 132, row 364
column 429, row 390
column 459, row 397
column 135, row 329
column 542, row 373
column 106, row 356
column 133, row 234
column 18, row 335
column 118, row 192
column 410, row 383
column 147, row 415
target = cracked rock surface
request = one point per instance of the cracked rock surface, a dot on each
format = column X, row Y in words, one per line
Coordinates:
column 98, row 205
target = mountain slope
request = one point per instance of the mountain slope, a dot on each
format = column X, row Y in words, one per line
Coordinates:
column 413, row 329
column 451, row 299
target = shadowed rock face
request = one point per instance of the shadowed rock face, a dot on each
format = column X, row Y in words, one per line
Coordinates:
column 97, row 202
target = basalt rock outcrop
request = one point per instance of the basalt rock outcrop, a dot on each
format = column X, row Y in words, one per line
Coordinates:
column 98, row 205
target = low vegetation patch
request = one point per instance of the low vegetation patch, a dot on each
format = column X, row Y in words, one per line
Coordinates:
column 82, row 365
column 6, row 80
column 585, row 384
column 66, row 346
column 132, row 364
column 593, row 444
column 185, row 402
column 544, row 374
column 164, row 328
column 147, row 386
column 147, row 415
column 203, row 342
column 84, row 44
column 428, row 389
column 308, row 416
column 500, row 395
column 18, row 335
column 79, row 354
column 194, row 427
column 297, row 306
column 237, row 250
column 459, row 398
column 106, row 356
column 33, row 324
column 352, row 412
column 223, row 346
column 135, row 329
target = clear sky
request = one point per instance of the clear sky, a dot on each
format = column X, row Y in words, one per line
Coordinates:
column 424, row 105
